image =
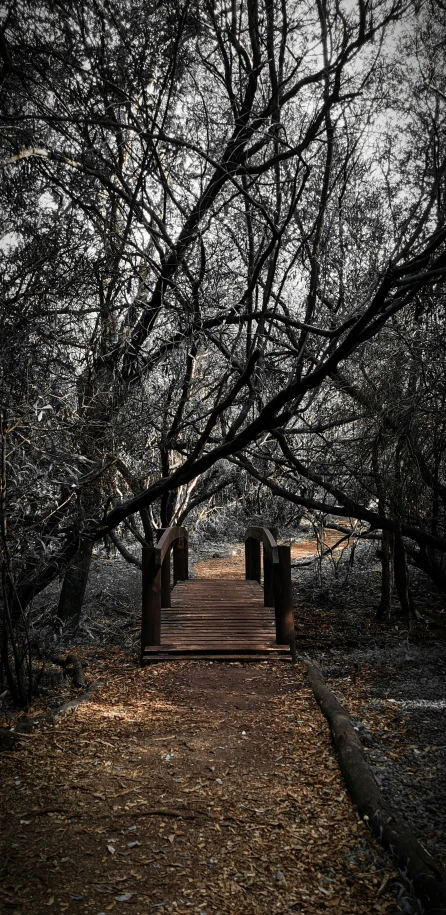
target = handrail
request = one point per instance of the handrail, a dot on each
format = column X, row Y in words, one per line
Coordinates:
column 265, row 536
column 276, row 579
column 156, row 580
column 169, row 536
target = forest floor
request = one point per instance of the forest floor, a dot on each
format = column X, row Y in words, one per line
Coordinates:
column 196, row 787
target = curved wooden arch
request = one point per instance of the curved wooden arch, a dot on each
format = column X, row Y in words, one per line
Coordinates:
column 276, row 579
column 264, row 535
column 156, row 580
column 168, row 537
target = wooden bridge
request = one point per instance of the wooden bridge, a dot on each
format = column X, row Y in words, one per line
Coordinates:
column 218, row 620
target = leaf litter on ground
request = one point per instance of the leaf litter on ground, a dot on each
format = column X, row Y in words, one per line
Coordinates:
column 248, row 814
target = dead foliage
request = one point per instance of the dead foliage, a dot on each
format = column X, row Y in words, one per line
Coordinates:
column 187, row 787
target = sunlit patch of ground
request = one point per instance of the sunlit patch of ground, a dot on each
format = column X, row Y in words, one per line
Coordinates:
column 222, row 565
column 187, row 787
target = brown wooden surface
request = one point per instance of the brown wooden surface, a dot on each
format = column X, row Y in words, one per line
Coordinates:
column 217, row 619
column 165, row 572
column 283, row 597
column 169, row 536
column 268, row 537
column 253, row 561
column 151, row 598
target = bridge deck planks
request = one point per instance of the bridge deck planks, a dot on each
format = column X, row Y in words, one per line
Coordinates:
column 217, row 620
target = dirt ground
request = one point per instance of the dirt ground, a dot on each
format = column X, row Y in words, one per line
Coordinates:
column 187, row 787
column 214, row 788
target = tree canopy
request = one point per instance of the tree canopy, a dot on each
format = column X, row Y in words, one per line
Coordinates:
column 223, row 247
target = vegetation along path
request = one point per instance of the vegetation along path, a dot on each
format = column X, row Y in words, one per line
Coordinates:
column 187, row 787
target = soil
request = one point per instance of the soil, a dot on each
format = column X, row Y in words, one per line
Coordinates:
column 392, row 680
column 214, row 788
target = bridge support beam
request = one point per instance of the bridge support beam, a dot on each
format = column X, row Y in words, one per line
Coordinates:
column 156, row 581
column 268, row 580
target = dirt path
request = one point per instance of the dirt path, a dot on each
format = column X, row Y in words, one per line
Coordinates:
column 233, row 565
column 186, row 787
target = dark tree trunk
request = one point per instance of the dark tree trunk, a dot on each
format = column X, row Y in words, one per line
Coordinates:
column 15, row 658
column 168, row 503
column 383, row 611
column 147, row 527
column 387, row 543
column 74, row 585
column 402, row 577
column 166, row 498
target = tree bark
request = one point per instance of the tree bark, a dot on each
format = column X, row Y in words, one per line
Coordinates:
column 383, row 611
column 125, row 553
column 401, row 575
column 74, row 585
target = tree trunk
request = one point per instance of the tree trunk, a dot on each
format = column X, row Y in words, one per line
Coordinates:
column 383, row 611
column 74, row 585
column 402, row 577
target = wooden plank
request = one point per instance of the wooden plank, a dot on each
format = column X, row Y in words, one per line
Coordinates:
column 211, row 646
column 219, row 620
column 216, row 649
column 218, row 658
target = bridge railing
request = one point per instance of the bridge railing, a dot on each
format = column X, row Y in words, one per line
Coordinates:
column 276, row 579
column 156, row 579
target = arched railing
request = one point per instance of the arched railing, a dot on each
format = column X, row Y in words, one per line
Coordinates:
column 276, row 579
column 156, row 579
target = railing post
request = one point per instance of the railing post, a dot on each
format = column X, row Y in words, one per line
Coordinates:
column 151, row 599
column 252, row 559
column 268, row 580
column 283, row 600
column 180, row 560
column 186, row 557
column 268, row 574
column 165, row 574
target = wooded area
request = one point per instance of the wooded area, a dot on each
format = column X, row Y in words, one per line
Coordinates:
column 223, row 270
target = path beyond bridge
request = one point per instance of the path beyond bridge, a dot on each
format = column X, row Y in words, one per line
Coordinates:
column 217, row 619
